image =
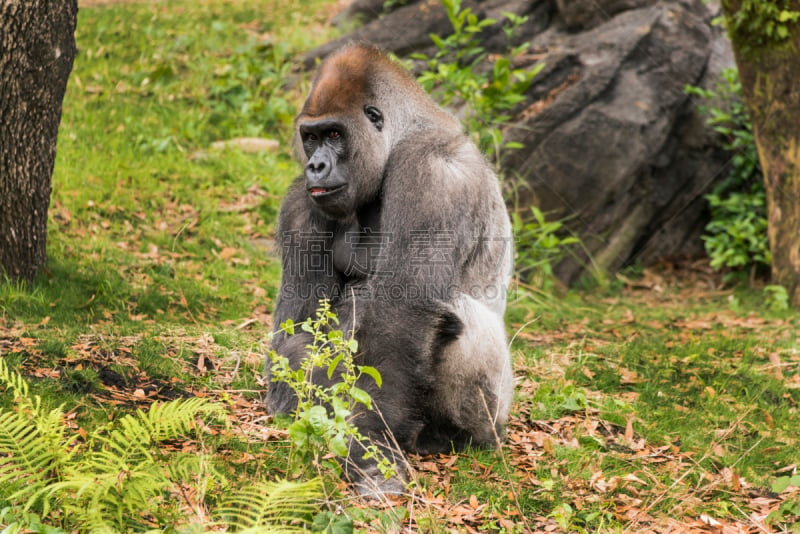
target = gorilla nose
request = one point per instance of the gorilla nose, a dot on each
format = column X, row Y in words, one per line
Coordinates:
column 317, row 171
column 316, row 168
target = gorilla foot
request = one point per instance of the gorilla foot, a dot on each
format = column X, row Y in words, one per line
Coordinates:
column 372, row 484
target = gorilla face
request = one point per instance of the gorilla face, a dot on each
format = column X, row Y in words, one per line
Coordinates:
column 325, row 146
column 336, row 184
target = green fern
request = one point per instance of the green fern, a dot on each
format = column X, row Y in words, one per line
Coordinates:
column 123, row 476
column 28, row 460
column 32, row 441
column 130, row 441
column 109, row 502
column 15, row 382
column 122, row 479
column 282, row 506
column 171, row 420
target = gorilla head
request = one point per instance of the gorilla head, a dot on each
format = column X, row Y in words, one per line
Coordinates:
column 360, row 106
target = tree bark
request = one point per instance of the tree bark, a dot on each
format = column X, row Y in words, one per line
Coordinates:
column 37, row 49
column 768, row 74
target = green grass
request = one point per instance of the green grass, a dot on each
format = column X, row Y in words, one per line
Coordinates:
column 147, row 220
column 162, row 276
column 694, row 374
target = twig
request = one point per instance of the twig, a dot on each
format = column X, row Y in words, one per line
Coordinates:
column 503, row 458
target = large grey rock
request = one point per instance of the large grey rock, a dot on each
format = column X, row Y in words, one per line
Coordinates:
column 618, row 151
column 586, row 14
column 360, row 12
column 402, row 31
column 612, row 143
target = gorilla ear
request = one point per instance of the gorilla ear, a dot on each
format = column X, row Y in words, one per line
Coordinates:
column 375, row 116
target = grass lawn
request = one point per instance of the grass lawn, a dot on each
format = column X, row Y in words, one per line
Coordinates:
column 660, row 402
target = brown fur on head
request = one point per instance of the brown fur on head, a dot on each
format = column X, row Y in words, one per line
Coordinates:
column 355, row 74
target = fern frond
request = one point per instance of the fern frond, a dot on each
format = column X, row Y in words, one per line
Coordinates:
column 13, row 381
column 132, row 438
column 280, row 506
column 197, row 470
column 49, row 423
column 175, row 419
column 109, row 502
column 122, row 476
column 119, row 449
column 26, row 460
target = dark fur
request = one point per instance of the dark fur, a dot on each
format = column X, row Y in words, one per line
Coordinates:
column 427, row 315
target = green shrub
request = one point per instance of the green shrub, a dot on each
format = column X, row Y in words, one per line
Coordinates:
column 736, row 236
column 454, row 76
column 539, row 247
column 757, row 24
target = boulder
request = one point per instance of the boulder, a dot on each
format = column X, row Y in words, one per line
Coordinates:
column 612, row 144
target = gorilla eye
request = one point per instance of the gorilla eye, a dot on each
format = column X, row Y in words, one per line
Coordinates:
column 375, row 116
column 334, row 134
column 311, row 137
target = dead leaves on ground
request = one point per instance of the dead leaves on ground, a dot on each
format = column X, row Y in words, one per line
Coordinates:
column 633, row 498
column 646, row 487
column 528, row 467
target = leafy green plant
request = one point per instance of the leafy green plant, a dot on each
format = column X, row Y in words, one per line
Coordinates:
column 321, row 423
column 121, row 476
column 454, row 76
column 736, row 236
column 777, row 297
column 279, row 506
column 539, row 247
column 563, row 515
column 555, row 400
column 790, row 509
column 757, row 24
column 737, row 233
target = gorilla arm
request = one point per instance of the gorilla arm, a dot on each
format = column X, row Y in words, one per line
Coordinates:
column 307, row 273
column 307, row 276
column 441, row 206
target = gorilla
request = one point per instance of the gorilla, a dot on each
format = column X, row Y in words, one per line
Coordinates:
column 398, row 221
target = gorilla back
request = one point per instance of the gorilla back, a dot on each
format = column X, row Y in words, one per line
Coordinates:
column 399, row 221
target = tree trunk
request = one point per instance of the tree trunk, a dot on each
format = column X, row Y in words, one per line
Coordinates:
column 37, row 49
column 768, row 73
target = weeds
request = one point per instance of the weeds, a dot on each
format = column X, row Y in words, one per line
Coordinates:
column 736, row 236
column 539, row 248
column 122, row 476
column 453, row 77
column 322, row 420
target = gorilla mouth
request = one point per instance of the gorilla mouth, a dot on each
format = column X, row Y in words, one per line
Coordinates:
column 318, row 192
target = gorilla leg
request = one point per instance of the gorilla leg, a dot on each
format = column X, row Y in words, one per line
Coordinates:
column 403, row 352
column 474, row 384
column 378, row 428
column 281, row 398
